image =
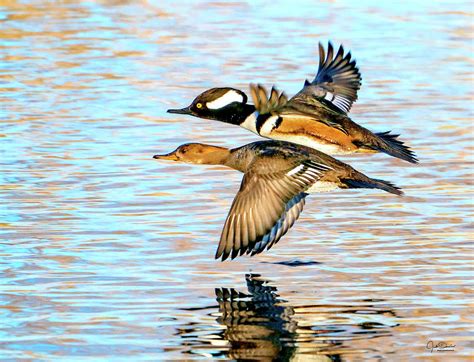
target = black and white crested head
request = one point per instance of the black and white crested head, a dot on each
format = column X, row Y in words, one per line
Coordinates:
column 222, row 104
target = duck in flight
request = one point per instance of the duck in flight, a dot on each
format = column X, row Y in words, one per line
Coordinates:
column 278, row 176
column 315, row 117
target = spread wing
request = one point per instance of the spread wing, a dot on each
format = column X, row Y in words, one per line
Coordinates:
column 336, row 83
column 267, row 205
column 292, row 212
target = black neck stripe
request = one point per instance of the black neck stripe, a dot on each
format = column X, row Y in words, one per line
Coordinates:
column 261, row 119
column 236, row 114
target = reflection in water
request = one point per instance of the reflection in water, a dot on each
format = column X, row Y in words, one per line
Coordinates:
column 260, row 325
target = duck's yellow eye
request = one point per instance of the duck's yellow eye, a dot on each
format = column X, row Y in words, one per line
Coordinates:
column 199, row 105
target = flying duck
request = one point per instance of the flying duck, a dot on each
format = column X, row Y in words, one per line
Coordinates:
column 278, row 176
column 315, row 117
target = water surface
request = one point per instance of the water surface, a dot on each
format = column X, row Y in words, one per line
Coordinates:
column 108, row 254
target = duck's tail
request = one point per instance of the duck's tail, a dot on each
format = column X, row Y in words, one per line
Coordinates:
column 364, row 182
column 390, row 144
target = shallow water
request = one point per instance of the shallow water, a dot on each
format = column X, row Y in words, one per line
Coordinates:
column 108, row 254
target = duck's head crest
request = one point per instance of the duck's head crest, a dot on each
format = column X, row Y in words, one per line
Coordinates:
column 215, row 103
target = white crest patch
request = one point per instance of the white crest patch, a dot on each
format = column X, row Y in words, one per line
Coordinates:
column 228, row 98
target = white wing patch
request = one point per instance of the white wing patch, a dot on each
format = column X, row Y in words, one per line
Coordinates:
column 226, row 99
column 308, row 172
column 295, row 170
column 329, row 96
column 338, row 101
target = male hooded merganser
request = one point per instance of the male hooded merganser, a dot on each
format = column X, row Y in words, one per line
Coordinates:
column 278, row 175
column 315, row 117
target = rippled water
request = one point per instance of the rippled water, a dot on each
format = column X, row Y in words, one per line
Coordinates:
column 108, row 254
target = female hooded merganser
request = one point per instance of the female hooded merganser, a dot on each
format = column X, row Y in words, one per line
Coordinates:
column 278, row 176
column 315, row 117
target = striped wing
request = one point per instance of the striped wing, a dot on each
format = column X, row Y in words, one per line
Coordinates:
column 336, row 83
column 292, row 212
column 265, row 207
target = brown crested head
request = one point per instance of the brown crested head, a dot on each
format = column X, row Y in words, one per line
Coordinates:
column 197, row 153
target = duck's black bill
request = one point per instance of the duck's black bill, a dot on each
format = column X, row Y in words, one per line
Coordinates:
column 185, row 110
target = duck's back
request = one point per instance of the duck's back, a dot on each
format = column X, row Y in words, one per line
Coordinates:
column 275, row 155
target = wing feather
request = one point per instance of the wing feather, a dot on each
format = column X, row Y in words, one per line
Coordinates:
column 292, row 212
column 265, row 208
column 265, row 104
column 336, row 83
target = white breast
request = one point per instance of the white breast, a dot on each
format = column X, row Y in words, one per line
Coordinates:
column 250, row 123
column 306, row 141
